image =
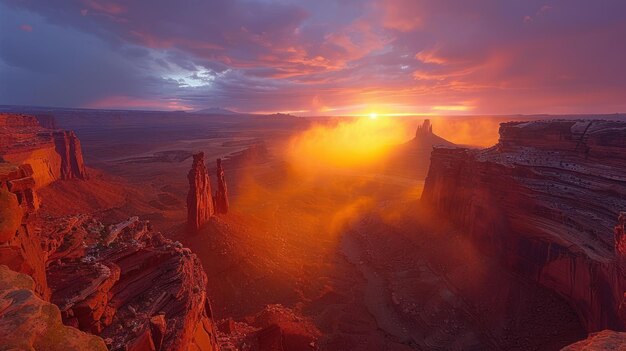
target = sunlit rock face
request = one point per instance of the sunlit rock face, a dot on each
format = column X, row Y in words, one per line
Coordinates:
column 602, row 341
column 31, row 157
column 130, row 285
column 29, row 323
column 221, row 194
column 546, row 199
column 68, row 146
column 124, row 282
column 51, row 154
column 20, row 247
column 199, row 199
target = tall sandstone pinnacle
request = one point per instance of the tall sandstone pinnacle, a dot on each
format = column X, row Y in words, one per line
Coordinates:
column 199, row 199
column 68, row 147
column 221, row 195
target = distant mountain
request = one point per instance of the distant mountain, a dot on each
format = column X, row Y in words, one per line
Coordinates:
column 217, row 111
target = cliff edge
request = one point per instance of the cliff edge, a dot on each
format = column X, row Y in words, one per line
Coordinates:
column 546, row 199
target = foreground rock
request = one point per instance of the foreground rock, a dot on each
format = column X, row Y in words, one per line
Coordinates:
column 130, row 285
column 29, row 323
column 31, row 157
column 20, row 243
column 546, row 200
column 199, row 199
column 275, row 328
column 603, row 341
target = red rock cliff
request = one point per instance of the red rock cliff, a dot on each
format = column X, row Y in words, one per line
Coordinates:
column 52, row 155
column 130, row 285
column 199, row 199
column 546, row 199
column 20, row 247
column 221, row 195
column 124, row 282
column 68, row 146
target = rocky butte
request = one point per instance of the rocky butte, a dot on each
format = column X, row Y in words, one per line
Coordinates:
column 201, row 205
column 547, row 200
column 125, row 283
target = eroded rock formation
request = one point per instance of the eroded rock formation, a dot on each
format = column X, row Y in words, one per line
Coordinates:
column 221, row 194
column 606, row 340
column 68, row 146
column 20, row 247
column 130, row 285
column 50, row 154
column 124, row 282
column 199, row 199
column 424, row 129
column 29, row 323
column 546, row 199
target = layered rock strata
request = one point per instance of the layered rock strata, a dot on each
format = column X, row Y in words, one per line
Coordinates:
column 51, row 154
column 124, row 282
column 546, row 199
column 199, row 199
column 130, row 285
column 606, row 340
column 29, row 323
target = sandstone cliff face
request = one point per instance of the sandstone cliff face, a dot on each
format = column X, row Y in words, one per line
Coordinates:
column 130, row 285
column 68, row 146
column 29, row 323
column 20, row 247
column 606, row 340
column 199, row 199
column 546, row 199
column 52, row 155
column 221, row 195
column 31, row 157
column 124, row 282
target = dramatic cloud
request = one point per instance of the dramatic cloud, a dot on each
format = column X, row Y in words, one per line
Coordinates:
column 317, row 57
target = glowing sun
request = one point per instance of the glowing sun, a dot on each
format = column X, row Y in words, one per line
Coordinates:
column 373, row 115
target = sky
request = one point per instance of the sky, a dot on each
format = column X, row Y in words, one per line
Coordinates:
column 317, row 57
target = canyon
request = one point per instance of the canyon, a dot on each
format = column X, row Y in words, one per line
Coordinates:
column 560, row 188
column 436, row 246
column 100, row 278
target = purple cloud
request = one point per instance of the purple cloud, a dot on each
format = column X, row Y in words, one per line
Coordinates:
column 398, row 56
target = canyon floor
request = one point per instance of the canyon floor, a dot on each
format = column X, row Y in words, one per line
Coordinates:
column 352, row 252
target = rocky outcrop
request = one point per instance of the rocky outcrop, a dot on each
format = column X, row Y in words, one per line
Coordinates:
column 603, row 341
column 29, row 323
column 30, row 158
column 546, row 200
column 130, row 285
column 424, row 129
column 221, row 195
column 411, row 158
column 620, row 236
column 68, row 146
column 124, row 282
column 20, row 247
column 199, row 199
column 275, row 328
column 19, row 181
column 51, row 154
